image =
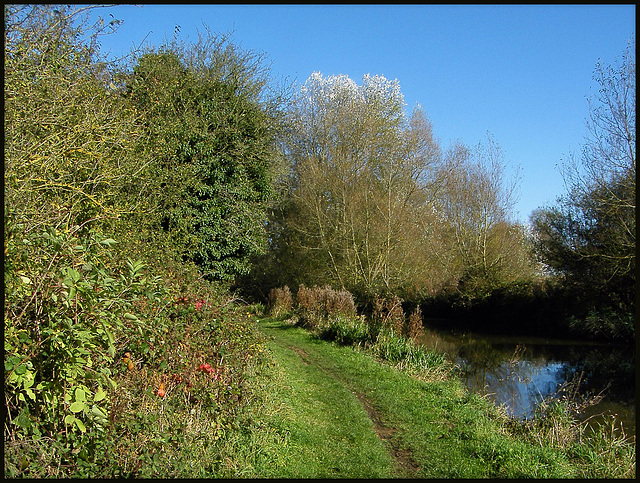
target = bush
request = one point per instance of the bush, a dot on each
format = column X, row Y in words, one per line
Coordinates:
column 317, row 305
column 346, row 330
column 415, row 328
column 68, row 315
column 388, row 314
column 280, row 301
column 109, row 370
column 119, row 365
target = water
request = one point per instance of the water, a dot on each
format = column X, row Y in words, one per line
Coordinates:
column 520, row 372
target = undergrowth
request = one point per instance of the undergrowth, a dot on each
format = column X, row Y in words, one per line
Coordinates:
column 110, row 371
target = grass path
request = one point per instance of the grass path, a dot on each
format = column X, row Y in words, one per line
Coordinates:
column 328, row 433
column 346, row 415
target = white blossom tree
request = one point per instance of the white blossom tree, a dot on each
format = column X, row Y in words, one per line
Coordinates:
column 362, row 184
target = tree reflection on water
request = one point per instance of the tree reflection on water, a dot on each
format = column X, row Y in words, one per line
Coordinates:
column 519, row 373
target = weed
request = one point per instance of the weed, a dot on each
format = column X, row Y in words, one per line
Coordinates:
column 280, row 301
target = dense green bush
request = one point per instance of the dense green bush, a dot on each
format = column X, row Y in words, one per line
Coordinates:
column 212, row 142
column 67, row 317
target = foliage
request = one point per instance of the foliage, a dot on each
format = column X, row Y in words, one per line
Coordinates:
column 373, row 206
column 388, row 314
column 415, row 327
column 69, row 156
column 361, row 176
column 317, row 305
column 486, row 247
column 331, row 315
column 588, row 238
column 64, row 327
column 87, row 349
column 280, row 301
column 120, row 360
column 346, row 330
column 213, row 146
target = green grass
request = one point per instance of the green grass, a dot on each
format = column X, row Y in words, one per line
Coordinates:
column 323, row 429
column 327, row 433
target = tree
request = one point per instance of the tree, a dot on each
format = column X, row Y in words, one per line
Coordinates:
column 363, row 176
column 212, row 137
column 69, row 142
column 476, row 203
column 589, row 236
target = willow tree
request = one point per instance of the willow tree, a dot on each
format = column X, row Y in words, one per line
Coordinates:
column 363, row 179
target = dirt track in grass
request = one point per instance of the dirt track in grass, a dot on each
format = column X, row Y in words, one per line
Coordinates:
column 403, row 457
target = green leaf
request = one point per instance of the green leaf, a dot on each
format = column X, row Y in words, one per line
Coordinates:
column 80, row 425
column 73, row 274
column 25, row 280
column 100, row 394
column 28, row 380
column 11, row 362
column 69, row 419
column 80, row 394
column 77, row 406
column 109, row 242
column 21, row 369
column 131, row 317
column 113, row 383
column 98, row 413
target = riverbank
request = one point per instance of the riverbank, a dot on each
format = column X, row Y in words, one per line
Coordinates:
column 338, row 412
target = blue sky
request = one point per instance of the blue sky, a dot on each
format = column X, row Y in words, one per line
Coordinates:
column 523, row 73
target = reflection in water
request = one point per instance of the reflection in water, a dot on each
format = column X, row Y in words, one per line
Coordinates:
column 519, row 385
column 518, row 373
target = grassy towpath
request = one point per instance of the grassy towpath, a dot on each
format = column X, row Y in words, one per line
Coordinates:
column 346, row 415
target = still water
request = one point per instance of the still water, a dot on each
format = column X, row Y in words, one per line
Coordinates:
column 519, row 372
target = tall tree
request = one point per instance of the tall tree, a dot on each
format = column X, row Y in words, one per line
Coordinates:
column 361, row 185
column 210, row 129
column 476, row 204
column 589, row 236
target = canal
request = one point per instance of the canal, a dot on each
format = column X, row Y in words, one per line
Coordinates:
column 518, row 373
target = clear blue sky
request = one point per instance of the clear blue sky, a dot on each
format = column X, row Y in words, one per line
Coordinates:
column 523, row 72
